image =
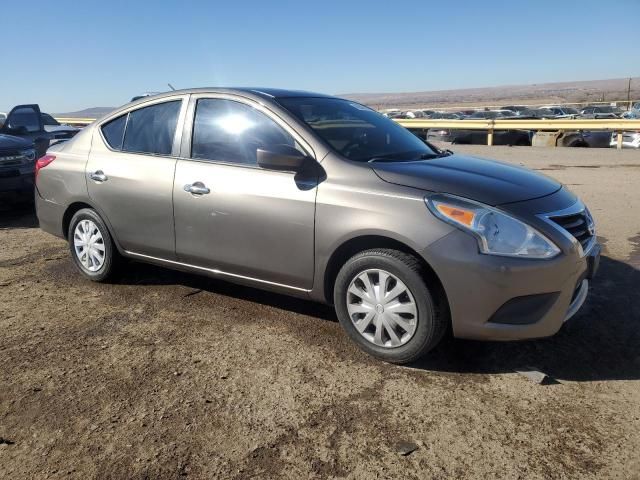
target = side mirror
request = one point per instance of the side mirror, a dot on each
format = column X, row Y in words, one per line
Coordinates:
column 280, row 157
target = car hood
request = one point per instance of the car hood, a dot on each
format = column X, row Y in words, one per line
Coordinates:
column 485, row 181
column 10, row 142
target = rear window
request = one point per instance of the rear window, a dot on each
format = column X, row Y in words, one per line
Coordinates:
column 114, row 132
column 151, row 129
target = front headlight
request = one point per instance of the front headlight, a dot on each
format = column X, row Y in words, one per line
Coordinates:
column 497, row 232
column 29, row 154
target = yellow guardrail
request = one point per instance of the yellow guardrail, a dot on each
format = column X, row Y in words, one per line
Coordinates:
column 618, row 125
column 75, row 121
column 474, row 106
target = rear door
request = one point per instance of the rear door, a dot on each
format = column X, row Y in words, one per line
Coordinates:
column 248, row 222
column 130, row 175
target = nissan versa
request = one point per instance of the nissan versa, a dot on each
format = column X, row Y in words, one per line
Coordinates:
column 325, row 199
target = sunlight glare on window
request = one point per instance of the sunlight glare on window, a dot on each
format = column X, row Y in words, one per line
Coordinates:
column 235, row 123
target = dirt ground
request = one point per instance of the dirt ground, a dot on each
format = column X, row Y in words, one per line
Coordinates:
column 169, row 375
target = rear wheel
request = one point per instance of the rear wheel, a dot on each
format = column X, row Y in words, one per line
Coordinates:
column 92, row 247
column 386, row 307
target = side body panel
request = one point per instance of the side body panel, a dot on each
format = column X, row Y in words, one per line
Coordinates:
column 137, row 197
column 254, row 222
column 353, row 202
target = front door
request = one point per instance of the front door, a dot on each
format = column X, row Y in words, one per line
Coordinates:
column 234, row 217
column 130, row 177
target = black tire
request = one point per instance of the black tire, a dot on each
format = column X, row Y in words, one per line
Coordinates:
column 431, row 321
column 112, row 257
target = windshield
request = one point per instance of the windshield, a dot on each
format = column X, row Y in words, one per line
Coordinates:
column 355, row 131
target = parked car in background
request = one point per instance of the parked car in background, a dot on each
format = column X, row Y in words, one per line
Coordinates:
column 500, row 137
column 58, row 131
column 478, row 137
column 596, row 138
column 28, row 122
column 561, row 111
column 438, row 135
column 601, row 111
column 445, row 116
column 246, row 185
column 464, row 113
column 490, row 114
column 629, row 140
column 17, row 159
column 516, row 109
column 541, row 113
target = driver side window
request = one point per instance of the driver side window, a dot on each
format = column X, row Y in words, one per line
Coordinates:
column 230, row 131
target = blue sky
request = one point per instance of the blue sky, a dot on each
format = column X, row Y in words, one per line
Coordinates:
column 69, row 55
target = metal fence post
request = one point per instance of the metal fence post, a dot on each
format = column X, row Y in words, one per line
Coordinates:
column 490, row 133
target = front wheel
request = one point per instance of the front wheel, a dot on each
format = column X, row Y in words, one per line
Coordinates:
column 92, row 248
column 385, row 306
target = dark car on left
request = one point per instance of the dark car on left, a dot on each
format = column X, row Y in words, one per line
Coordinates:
column 17, row 159
column 24, row 138
column 29, row 123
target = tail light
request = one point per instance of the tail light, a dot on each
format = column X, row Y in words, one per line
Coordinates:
column 43, row 162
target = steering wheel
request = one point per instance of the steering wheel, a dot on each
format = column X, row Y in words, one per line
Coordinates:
column 359, row 139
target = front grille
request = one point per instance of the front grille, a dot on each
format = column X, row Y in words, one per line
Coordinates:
column 9, row 152
column 11, row 158
column 580, row 225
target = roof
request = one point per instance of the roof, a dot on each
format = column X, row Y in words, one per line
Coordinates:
column 281, row 92
column 262, row 92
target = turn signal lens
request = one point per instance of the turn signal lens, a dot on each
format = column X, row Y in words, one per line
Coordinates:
column 456, row 214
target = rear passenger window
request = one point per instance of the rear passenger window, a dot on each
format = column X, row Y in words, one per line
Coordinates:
column 114, row 132
column 229, row 131
column 151, row 129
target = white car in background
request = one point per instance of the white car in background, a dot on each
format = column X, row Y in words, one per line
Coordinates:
column 629, row 139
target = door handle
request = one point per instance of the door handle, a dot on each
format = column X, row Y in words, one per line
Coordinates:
column 197, row 188
column 98, row 176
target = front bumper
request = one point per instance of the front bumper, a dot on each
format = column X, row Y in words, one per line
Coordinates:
column 503, row 298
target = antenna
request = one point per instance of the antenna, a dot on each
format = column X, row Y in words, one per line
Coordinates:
column 171, row 87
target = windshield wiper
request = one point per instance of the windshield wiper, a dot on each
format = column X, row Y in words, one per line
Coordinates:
column 440, row 154
column 392, row 157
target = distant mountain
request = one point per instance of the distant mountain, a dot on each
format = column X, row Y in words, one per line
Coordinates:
column 94, row 112
column 559, row 92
